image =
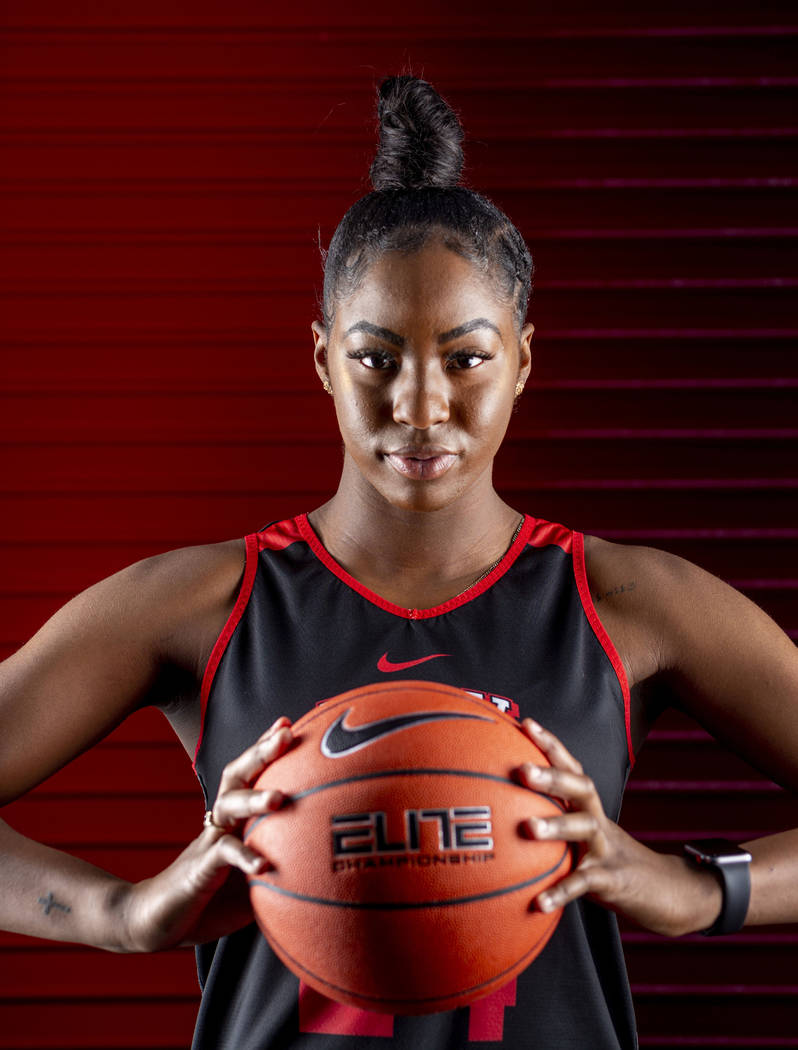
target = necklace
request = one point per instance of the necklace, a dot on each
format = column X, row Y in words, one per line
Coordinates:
column 490, row 568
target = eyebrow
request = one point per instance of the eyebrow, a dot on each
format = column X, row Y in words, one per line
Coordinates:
column 444, row 337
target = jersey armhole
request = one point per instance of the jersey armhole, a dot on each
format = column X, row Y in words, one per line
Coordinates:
column 580, row 573
column 250, row 568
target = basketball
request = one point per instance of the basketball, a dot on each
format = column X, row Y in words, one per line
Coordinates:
column 401, row 882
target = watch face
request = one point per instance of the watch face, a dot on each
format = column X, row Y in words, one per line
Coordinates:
column 717, row 851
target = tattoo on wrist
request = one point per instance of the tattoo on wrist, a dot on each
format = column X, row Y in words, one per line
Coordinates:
column 622, row 588
column 49, row 902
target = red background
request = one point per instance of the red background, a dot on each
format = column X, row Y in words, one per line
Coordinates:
column 166, row 172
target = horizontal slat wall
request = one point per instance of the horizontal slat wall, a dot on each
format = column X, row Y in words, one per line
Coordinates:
column 165, row 177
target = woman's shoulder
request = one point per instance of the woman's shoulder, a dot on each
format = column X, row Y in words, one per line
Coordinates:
column 645, row 578
column 185, row 574
column 672, row 603
column 187, row 594
column 719, row 655
column 160, row 594
column 147, row 600
column 136, row 638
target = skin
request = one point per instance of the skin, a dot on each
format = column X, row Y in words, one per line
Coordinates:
column 416, row 519
column 433, row 535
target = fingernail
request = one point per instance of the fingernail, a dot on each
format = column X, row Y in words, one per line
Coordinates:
column 280, row 723
column 540, row 827
column 534, row 726
column 535, row 772
column 545, row 903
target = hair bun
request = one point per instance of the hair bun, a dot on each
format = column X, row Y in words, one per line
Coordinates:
column 420, row 137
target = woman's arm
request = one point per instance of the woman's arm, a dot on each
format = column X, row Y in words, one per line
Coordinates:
column 684, row 634
column 728, row 665
column 114, row 648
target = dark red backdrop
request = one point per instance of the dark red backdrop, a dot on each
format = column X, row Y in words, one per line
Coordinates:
column 166, row 170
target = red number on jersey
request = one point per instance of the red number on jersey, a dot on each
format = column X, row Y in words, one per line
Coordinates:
column 319, row 1014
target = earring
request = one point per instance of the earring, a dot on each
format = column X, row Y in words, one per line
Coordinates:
column 326, row 384
column 519, row 388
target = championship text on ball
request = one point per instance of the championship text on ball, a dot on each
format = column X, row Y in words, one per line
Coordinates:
column 461, row 834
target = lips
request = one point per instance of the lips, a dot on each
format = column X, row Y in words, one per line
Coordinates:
column 421, row 464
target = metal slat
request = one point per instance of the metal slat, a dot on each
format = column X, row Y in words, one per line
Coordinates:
column 243, row 204
column 31, row 263
column 604, row 108
column 104, row 53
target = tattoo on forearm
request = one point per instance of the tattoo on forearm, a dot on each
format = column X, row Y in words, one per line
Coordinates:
column 620, row 589
column 49, row 902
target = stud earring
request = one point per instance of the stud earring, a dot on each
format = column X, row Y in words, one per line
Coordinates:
column 326, row 384
column 519, row 388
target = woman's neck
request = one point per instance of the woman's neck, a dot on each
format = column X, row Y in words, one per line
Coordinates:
column 415, row 559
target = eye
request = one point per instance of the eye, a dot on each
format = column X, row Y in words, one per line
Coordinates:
column 467, row 359
column 377, row 360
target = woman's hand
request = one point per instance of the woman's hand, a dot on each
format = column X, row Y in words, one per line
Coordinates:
column 203, row 894
column 659, row 891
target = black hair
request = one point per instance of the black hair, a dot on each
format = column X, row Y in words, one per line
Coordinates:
column 416, row 176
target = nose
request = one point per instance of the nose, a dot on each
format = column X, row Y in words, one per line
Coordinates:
column 420, row 396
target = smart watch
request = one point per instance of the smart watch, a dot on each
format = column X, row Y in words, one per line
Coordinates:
column 732, row 863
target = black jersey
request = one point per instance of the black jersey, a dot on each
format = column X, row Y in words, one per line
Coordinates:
column 525, row 638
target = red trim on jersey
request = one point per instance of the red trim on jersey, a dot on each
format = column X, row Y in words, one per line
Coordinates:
column 278, row 536
column 580, row 573
column 227, row 632
column 548, row 533
column 313, row 541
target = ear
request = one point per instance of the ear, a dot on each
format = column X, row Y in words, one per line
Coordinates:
column 525, row 352
column 320, row 350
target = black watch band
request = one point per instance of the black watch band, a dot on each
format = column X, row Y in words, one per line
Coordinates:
column 732, row 865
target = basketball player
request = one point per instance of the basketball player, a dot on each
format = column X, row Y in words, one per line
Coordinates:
column 416, row 562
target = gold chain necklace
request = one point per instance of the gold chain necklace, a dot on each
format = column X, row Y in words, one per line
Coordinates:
column 490, row 568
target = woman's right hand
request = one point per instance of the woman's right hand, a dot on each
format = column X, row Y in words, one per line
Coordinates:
column 203, row 894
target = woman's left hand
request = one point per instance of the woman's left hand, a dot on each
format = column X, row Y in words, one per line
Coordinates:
column 659, row 891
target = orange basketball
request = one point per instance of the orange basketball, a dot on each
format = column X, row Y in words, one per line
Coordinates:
column 401, row 881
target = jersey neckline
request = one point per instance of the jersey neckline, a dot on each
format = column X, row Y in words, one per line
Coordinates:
column 308, row 534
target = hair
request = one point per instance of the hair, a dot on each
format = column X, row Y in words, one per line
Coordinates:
column 417, row 195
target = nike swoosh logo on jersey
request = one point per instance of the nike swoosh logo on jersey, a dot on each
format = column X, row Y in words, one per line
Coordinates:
column 340, row 740
column 384, row 664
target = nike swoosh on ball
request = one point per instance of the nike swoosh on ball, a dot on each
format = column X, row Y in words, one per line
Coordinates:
column 340, row 740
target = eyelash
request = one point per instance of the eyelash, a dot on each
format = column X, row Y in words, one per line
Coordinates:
column 460, row 355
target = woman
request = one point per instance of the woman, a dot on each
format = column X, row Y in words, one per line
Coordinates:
column 415, row 561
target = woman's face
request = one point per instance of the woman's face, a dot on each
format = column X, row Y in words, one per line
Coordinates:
column 423, row 359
